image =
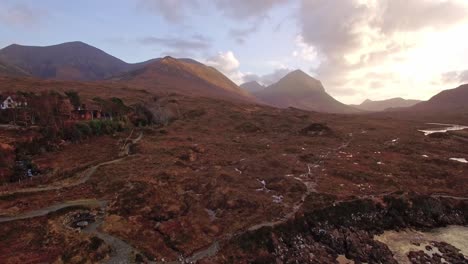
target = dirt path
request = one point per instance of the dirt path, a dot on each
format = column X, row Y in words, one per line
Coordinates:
column 81, row 177
column 122, row 252
column 51, row 209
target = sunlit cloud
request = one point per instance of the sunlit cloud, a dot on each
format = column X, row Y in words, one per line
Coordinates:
column 407, row 44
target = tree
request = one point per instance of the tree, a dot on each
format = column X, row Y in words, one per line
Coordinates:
column 74, row 98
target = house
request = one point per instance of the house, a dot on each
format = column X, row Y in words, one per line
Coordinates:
column 12, row 101
column 82, row 113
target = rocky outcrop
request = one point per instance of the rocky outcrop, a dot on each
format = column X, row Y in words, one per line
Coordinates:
column 348, row 228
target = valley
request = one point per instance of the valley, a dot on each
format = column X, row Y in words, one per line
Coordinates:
column 224, row 173
column 169, row 161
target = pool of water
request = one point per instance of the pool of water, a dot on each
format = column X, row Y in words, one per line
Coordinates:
column 462, row 160
column 402, row 242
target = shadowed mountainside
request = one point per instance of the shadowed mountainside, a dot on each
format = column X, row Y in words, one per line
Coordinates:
column 67, row 61
column 252, row 86
column 453, row 100
column 8, row 70
column 297, row 89
column 369, row 105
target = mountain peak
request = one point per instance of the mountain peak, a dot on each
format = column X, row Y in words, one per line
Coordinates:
column 298, row 80
column 75, row 44
column 300, row 90
column 66, row 61
column 169, row 60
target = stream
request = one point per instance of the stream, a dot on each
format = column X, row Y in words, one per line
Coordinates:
column 443, row 128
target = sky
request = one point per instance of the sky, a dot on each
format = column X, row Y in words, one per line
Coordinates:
column 359, row 49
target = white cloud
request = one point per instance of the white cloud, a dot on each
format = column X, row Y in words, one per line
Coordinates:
column 267, row 79
column 410, row 42
column 228, row 64
column 304, row 51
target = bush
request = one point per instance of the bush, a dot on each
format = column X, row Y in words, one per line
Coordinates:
column 84, row 129
column 81, row 130
column 96, row 127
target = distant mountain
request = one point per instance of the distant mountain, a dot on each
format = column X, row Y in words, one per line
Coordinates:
column 8, row 70
column 252, row 86
column 447, row 101
column 297, row 89
column 184, row 76
column 375, row 106
column 67, row 61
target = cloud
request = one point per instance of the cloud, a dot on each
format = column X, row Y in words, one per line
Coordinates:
column 455, row 77
column 179, row 46
column 304, row 51
column 171, row 10
column 241, row 34
column 246, row 9
column 177, row 10
column 224, row 61
column 267, row 79
column 20, row 15
column 356, row 37
column 412, row 15
column 228, row 64
column 196, row 42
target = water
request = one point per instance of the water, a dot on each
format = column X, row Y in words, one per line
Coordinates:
column 462, row 160
column 401, row 243
column 443, row 129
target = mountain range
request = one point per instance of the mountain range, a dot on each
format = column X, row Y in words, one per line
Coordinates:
column 375, row 106
column 67, row 61
column 78, row 61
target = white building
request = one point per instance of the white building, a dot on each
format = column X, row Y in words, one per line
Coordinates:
column 9, row 102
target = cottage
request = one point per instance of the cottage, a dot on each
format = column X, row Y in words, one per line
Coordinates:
column 82, row 113
column 12, row 101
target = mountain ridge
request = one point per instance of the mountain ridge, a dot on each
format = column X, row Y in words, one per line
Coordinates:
column 252, row 86
column 185, row 76
column 451, row 100
column 382, row 105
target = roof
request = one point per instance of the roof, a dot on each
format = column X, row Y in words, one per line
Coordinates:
column 13, row 96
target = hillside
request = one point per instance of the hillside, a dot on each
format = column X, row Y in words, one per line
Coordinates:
column 8, row 70
column 375, row 106
column 252, row 86
column 183, row 76
column 87, row 90
column 297, row 89
column 453, row 101
column 67, row 61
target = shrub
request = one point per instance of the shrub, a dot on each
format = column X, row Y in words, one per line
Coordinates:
column 96, row 127
column 84, row 129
